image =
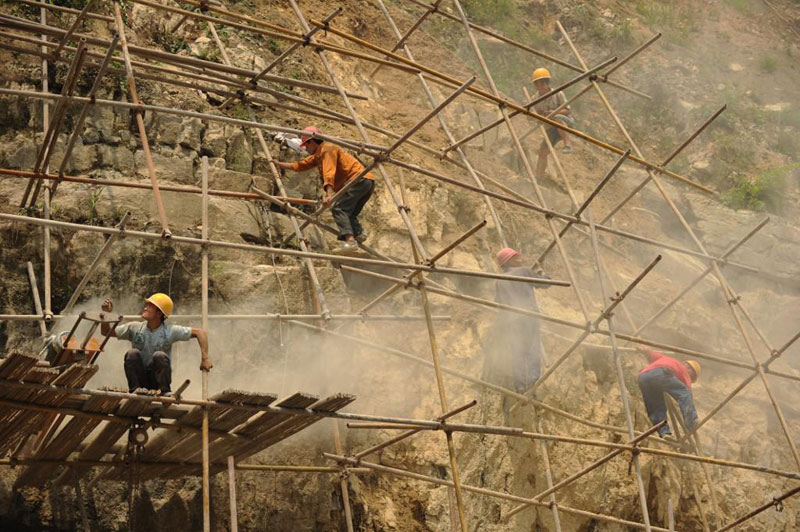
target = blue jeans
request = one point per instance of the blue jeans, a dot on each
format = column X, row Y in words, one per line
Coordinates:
column 653, row 385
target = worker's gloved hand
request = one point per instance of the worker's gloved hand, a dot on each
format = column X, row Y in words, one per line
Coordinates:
column 107, row 305
column 206, row 365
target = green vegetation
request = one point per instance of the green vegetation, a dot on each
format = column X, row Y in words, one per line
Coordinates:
column 742, row 6
column 768, row 64
column 787, row 143
column 765, row 192
column 676, row 20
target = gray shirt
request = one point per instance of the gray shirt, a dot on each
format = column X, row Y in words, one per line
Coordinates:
column 517, row 293
column 149, row 341
column 551, row 104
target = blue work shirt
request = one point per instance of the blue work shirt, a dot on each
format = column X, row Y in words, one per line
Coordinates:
column 149, row 341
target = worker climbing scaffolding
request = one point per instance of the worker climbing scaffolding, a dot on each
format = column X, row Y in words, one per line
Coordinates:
column 556, row 103
column 148, row 363
column 671, row 376
column 517, row 351
column 337, row 168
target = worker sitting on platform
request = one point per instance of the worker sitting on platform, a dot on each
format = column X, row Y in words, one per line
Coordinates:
column 519, row 344
column 337, row 167
column 541, row 80
column 148, row 365
column 668, row 375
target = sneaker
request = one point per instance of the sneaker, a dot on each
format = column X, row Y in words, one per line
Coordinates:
column 362, row 237
column 667, row 435
column 348, row 247
column 566, row 149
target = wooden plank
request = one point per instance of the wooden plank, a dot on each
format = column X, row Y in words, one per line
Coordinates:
column 12, row 418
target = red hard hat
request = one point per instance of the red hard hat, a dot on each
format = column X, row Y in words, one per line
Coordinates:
column 314, row 130
column 506, row 254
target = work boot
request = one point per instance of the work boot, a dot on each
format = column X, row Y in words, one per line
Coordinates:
column 362, row 237
column 348, row 247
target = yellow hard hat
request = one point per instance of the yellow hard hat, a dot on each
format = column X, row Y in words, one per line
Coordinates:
column 695, row 366
column 540, row 73
column 163, row 302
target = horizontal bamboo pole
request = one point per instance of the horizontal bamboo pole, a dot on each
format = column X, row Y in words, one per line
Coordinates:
column 278, row 251
column 253, row 317
column 8, row 172
column 775, row 502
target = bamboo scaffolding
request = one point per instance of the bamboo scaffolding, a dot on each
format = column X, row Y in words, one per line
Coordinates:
column 591, row 467
column 204, row 382
column 515, row 44
column 175, row 59
column 490, row 493
column 232, row 494
column 440, row 177
column 511, row 105
column 775, row 502
column 730, row 296
column 279, row 251
column 250, row 317
column 465, row 163
column 404, row 37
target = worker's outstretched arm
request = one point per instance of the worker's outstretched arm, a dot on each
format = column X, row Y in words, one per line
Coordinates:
column 202, row 340
column 107, row 306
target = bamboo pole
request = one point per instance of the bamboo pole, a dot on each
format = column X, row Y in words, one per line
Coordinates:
column 337, row 445
column 404, row 37
column 48, row 308
column 74, row 26
column 490, row 493
column 93, row 266
column 37, row 303
column 232, row 494
column 250, row 317
column 204, row 382
column 151, row 170
column 776, row 502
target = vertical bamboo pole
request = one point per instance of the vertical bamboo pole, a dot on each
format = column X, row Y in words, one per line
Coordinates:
column 440, row 386
column 337, row 444
column 37, row 303
column 204, row 310
column 677, row 425
column 232, row 494
column 48, row 309
column 547, row 470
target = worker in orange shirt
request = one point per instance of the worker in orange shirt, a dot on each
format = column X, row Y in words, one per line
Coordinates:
column 337, row 167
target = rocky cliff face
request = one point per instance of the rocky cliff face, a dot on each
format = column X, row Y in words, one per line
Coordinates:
column 266, row 357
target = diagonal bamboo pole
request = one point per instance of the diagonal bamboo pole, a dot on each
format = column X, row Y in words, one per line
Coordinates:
column 74, row 26
column 775, row 502
column 37, row 303
column 151, row 170
column 93, row 266
column 465, row 163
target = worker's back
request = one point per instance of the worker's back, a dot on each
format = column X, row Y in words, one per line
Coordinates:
column 518, row 293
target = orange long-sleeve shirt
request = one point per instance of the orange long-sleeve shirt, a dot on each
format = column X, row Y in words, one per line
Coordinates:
column 336, row 166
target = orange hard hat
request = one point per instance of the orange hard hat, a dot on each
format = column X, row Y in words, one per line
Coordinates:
column 540, row 73
column 505, row 255
column 314, row 130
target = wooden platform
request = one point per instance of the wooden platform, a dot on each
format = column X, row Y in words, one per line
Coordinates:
column 59, row 436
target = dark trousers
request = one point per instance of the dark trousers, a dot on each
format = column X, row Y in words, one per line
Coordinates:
column 346, row 210
column 654, row 384
column 156, row 376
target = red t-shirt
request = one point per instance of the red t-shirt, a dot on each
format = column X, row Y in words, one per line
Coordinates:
column 678, row 368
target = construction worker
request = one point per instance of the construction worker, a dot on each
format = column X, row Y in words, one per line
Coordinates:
column 541, row 80
column 668, row 375
column 147, row 364
column 518, row 348
column 337, row 167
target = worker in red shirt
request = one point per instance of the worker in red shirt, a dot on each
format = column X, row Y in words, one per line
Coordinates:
column 668, row 375
column 337, row 167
